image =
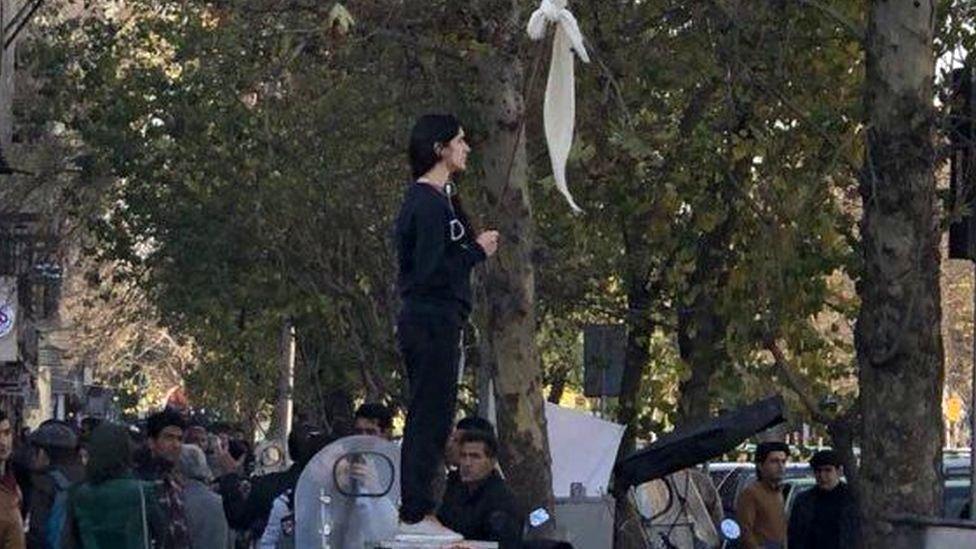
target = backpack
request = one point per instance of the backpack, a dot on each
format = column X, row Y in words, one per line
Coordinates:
column 57, row 518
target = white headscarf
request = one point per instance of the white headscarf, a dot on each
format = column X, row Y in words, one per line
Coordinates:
column 559, row 111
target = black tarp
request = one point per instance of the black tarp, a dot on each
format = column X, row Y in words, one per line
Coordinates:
column 688, row 447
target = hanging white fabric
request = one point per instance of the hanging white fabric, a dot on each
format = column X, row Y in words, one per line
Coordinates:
column 559, row 111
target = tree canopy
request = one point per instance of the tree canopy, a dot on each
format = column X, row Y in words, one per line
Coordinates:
column 241, row 163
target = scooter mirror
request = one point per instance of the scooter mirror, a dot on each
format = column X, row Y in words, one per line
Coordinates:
column 731, row 529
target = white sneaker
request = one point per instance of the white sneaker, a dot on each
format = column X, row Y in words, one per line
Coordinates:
column 429, row 529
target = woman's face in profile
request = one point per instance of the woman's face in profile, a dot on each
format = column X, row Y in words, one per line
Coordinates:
column 455, row 153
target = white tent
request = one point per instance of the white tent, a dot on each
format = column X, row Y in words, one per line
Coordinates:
column 583, row 449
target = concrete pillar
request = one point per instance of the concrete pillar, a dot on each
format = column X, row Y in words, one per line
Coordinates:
column 281, row 423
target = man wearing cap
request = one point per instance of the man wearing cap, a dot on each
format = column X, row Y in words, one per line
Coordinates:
column 824, row 517
column 760, row 508
column 56, row 467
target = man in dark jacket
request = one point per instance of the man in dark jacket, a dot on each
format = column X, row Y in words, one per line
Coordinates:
column 477, row 504
column 824, row 517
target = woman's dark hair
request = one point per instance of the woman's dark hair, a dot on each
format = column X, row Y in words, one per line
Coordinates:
column 428, row 131
column 109, row 453
column 62, row 456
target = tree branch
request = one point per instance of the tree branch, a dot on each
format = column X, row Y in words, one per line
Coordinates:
column 853, row 29
column 796, row 383
column 413, row 41
column 840, row 427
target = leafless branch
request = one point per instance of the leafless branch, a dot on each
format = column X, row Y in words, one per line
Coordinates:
column 796, row 383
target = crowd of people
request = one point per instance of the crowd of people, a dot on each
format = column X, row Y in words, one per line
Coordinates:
column 172, row 483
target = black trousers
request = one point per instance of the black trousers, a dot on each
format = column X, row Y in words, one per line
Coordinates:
column 431, row 350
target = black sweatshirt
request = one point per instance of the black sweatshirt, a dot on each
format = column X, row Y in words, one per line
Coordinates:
column 435, row 257
column 823, row 519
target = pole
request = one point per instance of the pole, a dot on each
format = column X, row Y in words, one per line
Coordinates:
column 286, row 382
column 603, row 390
column 967, row 180
column 972, row 415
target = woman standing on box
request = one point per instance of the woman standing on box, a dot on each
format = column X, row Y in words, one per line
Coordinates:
column 437, row 249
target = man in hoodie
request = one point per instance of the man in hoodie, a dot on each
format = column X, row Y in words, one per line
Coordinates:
column 204, row 510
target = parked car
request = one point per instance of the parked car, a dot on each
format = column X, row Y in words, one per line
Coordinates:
column 955, row 465
column 955, row 497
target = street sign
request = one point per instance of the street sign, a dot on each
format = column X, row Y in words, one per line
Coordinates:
column 8, row 319
column 953, row 409
column 604, row 355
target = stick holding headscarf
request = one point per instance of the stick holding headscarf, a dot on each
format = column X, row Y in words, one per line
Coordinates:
column 559, row 111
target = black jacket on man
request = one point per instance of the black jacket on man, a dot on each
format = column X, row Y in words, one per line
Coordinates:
column 822, row 519
column 486, row 513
